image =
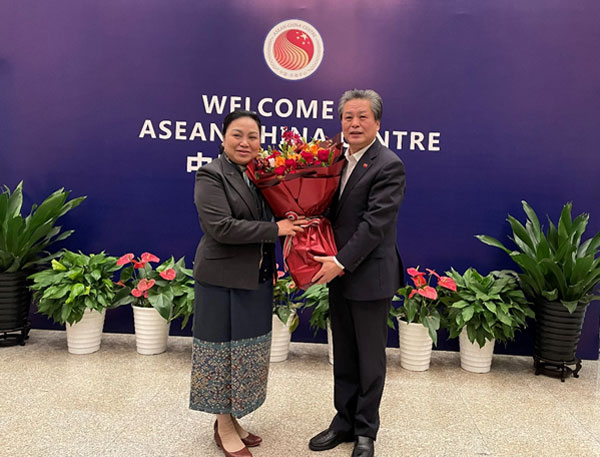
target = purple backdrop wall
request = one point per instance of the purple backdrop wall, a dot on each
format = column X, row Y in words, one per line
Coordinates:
column 508, row 91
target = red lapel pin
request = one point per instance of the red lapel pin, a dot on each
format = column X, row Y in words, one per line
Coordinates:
column 364, row 165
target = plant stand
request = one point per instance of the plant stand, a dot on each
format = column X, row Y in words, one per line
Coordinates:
column 556, row 369
column 15, row 336
column 557, row 336
column 15, row 300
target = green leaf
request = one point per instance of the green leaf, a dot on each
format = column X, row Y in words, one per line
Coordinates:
column 57, row 266
column 76, row 291
column 492, row 242
column 467, row 313
column 162, row 304
column 570, row 305
column 490, row 305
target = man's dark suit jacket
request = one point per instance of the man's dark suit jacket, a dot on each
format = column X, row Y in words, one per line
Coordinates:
column 230, row 250
column 364, row 221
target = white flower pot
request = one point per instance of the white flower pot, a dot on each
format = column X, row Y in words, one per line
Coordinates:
column 280, row 339
column 472, row 357
column 415, row 346
column 151, row 331
column 329, row 343
column 85, row 336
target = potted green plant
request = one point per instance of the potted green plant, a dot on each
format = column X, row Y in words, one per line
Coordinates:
column 23, row 242
column 76, row 290
column 316, row 297
column 285, row 315
column 559, row 274
column 419, row 317
column 484, row 310
column 157, row 297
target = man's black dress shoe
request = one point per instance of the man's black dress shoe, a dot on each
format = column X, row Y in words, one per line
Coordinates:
column 328, row 439
column 364, row 447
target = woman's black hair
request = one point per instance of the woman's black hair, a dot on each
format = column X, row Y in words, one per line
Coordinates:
column 236, row 114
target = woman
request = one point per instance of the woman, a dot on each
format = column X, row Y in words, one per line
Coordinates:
column 233, row 268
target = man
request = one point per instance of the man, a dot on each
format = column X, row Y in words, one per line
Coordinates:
column 364, row 275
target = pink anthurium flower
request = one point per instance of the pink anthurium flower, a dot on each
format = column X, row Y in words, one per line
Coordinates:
column 144, row 284
column 415, row 272
column 419, row 281
column 136, row 293
column 432, row 272
column 147, row 257
column 139, row 265
column 427, row 292
column 168, row 274
column 124, row 260
column 448, row 283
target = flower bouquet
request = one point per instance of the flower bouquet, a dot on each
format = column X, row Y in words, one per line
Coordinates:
column 299, row 179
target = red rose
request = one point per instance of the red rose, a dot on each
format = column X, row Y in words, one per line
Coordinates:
column 323, row 155
column 307, row 156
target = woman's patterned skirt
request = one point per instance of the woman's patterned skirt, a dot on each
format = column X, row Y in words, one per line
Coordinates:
column 231, row 348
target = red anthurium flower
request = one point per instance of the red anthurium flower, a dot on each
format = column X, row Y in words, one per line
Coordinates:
column 448, row 283
column 414, row 272
column 279, row 170
column 428, row 292
column 419, row 281
column 120, row 283
column 323, row 155
column 136, row 293
column 168, row 274
column 138, row 265
column 144, row 284
column 147, row 257
column 124, row 260
column 432, row 272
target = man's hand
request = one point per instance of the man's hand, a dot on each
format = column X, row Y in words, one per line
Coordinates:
column 328, row 271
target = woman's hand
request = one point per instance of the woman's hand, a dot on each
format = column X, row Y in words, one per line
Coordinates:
column 288, row 227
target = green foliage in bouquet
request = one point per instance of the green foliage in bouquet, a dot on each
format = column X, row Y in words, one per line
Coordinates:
column 74, row 283
column 555, row 265
column 489, row 307
column 23, row 240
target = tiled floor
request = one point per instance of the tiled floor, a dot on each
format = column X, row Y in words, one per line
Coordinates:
column 118, row 403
